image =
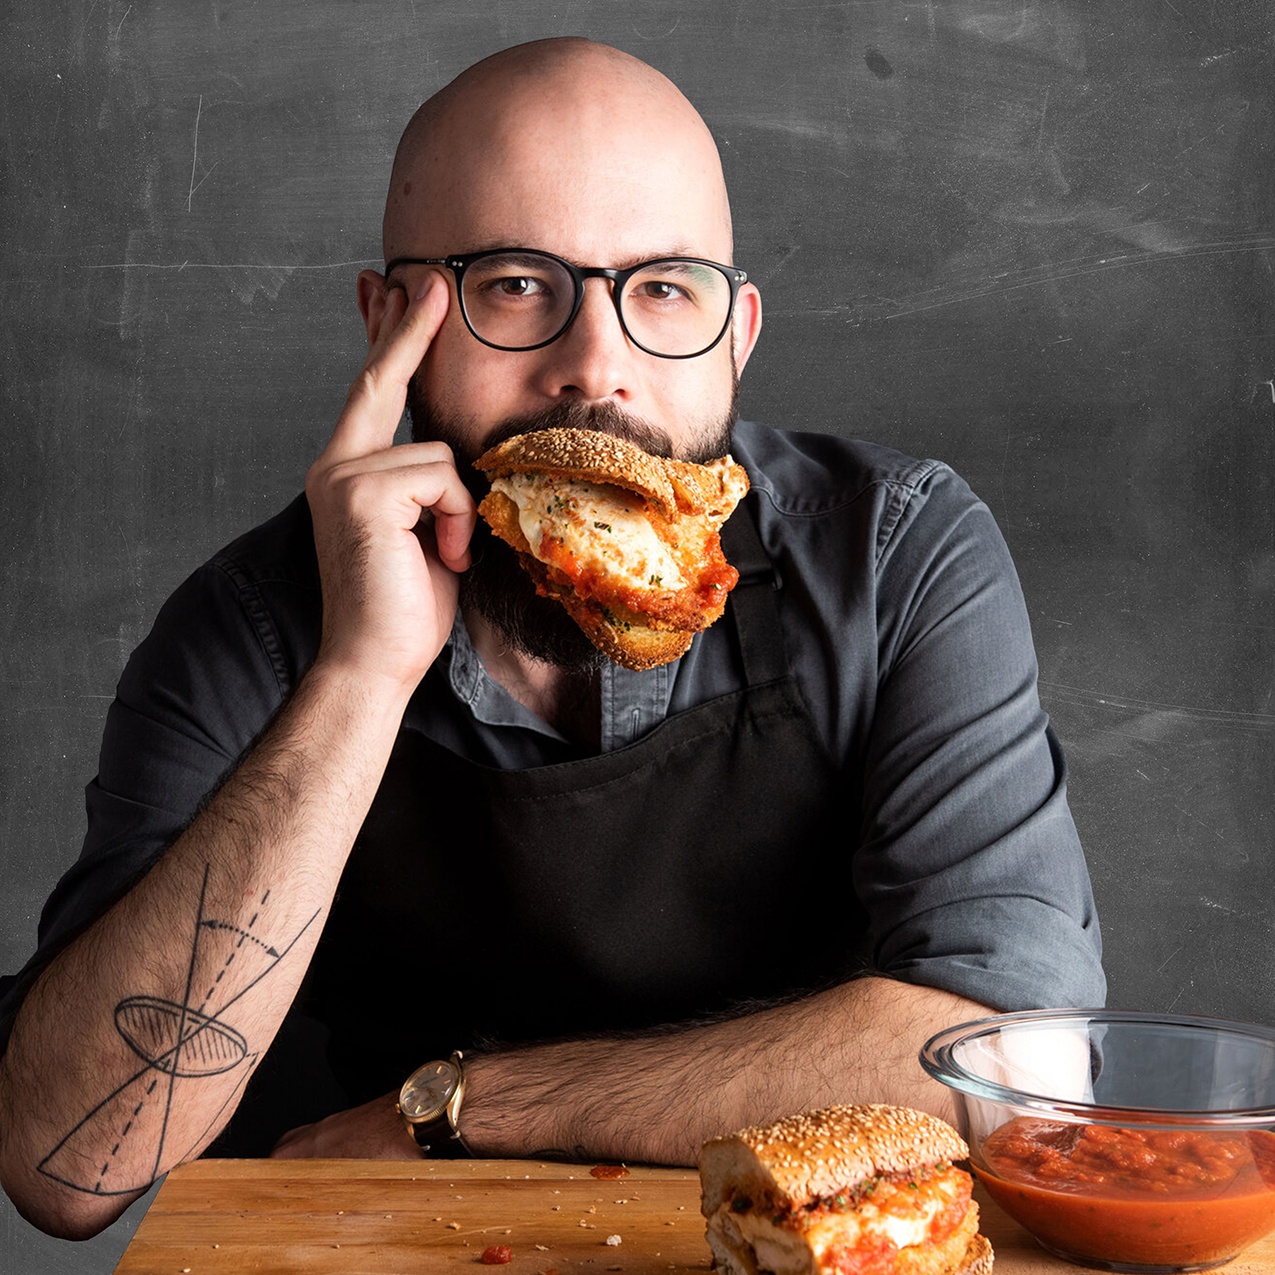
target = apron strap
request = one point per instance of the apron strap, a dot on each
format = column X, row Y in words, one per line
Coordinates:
column 753, row 602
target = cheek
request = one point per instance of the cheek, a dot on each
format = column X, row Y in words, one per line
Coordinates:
column 461, row 377
column 700, row 387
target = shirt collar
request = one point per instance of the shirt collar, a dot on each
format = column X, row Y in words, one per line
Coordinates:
column 632, row 702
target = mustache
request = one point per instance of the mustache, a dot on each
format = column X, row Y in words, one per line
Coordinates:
column 602, row 418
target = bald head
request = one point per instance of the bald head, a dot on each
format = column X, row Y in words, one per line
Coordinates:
column 564, row 145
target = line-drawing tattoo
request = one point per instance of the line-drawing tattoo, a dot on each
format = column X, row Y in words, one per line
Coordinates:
column 186, row 1041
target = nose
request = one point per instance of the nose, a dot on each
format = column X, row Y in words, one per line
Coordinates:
column 592, row 360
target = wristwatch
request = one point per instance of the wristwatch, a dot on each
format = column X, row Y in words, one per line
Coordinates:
column 430, row 1103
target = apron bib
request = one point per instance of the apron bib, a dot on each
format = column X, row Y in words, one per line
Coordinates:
column 704, row 866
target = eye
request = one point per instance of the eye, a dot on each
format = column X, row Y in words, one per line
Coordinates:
column 661, row 290
column 517, row 285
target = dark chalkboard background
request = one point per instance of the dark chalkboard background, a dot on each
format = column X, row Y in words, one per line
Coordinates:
column 1034, row 238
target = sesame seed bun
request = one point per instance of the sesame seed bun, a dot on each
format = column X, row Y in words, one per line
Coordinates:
column 588, row 456
column 818, row 1153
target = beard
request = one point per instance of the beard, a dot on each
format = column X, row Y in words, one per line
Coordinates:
column 496, row 586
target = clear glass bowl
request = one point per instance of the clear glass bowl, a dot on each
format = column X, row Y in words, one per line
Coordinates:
column 1128, row 1142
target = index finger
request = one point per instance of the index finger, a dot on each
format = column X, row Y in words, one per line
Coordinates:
column 374, row 405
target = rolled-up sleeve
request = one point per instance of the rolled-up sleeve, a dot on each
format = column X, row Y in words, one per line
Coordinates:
column 969, row 863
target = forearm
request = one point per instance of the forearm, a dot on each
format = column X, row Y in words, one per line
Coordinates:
column 657, row 1099
column 131, row 1051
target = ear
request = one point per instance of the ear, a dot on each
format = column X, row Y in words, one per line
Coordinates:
column 745, row 324
column 373, row 293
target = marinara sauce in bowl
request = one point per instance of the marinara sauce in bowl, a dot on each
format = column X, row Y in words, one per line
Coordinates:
column 1128, row 1142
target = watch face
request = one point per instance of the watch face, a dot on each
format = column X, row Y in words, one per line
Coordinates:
column 428, row 1090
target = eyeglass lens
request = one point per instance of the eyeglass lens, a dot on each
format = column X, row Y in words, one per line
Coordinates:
column 522, row 299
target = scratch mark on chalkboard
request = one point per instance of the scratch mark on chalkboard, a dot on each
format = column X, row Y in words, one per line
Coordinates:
column 1044, row 110
column 1168, row 958
column 203, row 179
column 1007, row 282
column 1128, row 703
column 1004, row 464
column 126, row 13
column 786, row 258
column 1243, row 111
column 1271, row 386
column 1136, row 771
column 1209, row 903
column 1183, row 811
column 643, row 36
column 198, row 112
column 229, row 265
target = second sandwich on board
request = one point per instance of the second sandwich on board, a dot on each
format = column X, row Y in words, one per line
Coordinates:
column 849, row 1190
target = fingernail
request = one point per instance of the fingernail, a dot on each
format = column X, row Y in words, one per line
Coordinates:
column 426, row 284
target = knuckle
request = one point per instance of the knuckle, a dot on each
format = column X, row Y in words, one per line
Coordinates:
column 358, row 488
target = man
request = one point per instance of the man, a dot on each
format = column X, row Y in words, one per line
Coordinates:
column 645, row 906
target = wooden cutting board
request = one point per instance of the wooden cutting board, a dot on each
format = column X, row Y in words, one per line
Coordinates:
column 374, row 1217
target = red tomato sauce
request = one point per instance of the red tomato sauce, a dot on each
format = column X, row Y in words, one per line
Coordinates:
column 1154, row 1196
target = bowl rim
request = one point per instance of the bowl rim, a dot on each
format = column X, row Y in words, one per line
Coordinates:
column 936, row 1058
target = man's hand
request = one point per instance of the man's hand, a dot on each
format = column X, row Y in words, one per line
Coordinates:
column 374, row 1131
column 389, row 582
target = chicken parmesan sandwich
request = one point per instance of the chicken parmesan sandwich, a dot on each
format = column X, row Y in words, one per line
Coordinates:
column 864, row 1190
column 626, row 541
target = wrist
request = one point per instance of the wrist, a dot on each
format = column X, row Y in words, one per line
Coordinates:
column 367, row 687
column 514, row 1108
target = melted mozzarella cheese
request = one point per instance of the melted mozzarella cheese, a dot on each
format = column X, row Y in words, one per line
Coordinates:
column 604, row 528
column 846, row 1229
column 734, row 485
column 777, row 1248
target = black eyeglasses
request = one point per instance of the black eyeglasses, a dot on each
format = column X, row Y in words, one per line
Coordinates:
column 523, row 299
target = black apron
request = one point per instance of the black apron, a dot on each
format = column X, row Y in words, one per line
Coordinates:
column 702, row 867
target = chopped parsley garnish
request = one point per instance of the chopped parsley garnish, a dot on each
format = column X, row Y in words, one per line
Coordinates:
column 603, row 526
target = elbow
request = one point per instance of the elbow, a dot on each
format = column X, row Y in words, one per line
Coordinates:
column 49, row 1205
column 55, row 1209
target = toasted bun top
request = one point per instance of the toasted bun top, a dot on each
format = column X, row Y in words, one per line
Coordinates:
column 592, row 456
column 819, row 1153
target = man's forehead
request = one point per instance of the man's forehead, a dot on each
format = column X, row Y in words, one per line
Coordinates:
column 577, row 204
